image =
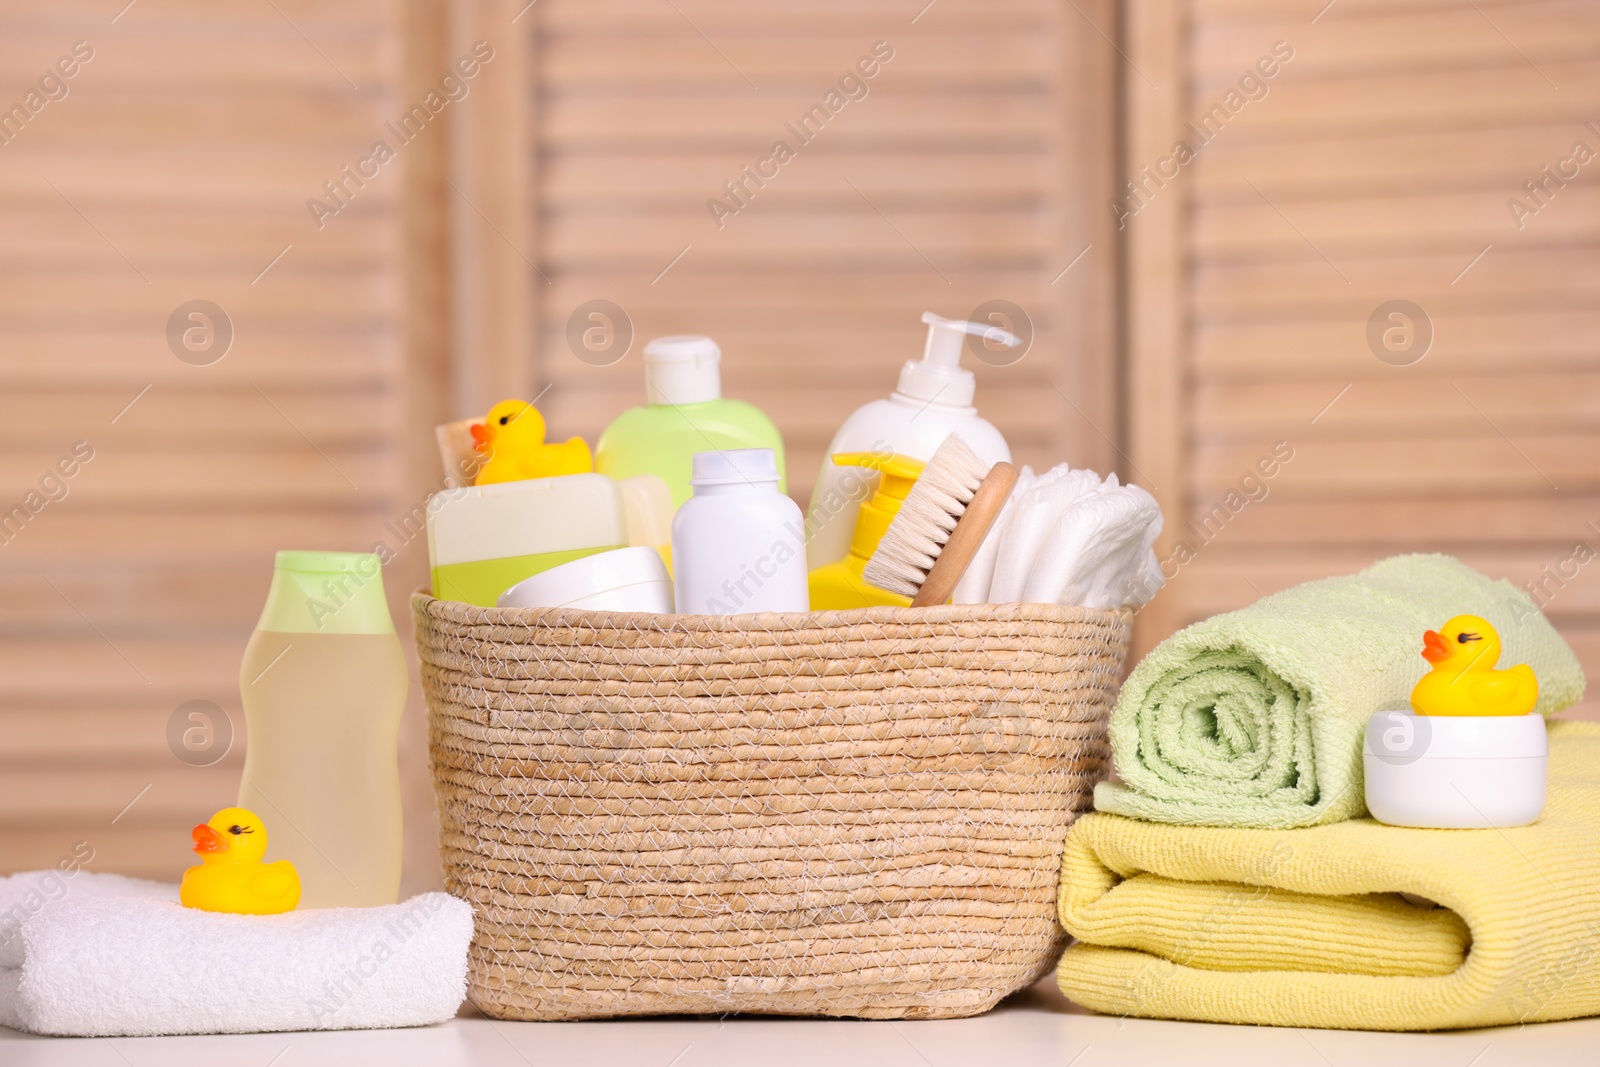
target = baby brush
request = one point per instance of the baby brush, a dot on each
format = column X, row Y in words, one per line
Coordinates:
column 946, row 515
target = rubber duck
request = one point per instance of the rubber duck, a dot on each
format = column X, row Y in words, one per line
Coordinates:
column 511, row 438
column 231, row 876
column 1464, row 680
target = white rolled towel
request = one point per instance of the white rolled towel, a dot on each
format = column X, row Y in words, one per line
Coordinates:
column 94, row 955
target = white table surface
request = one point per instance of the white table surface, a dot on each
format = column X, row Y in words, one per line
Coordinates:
column 1037, row 1027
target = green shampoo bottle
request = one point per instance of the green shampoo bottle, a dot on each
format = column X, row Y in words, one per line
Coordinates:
column 685, row 412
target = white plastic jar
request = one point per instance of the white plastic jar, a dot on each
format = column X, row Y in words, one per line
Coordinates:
column 738, row 545
column 1455, row 771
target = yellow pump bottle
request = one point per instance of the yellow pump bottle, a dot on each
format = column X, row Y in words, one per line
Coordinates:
column 838, row 585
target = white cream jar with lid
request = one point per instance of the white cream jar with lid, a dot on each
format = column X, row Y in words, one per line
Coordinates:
column 1455, row 771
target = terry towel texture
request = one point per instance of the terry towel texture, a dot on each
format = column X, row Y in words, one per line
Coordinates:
column 1255, row 717
column 1307, row 927
column 96, row 955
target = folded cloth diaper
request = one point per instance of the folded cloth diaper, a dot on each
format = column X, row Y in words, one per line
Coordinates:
column 96, row 955
column 1255, row 717
column 1066, row 537
column 1028, row 527
column 976, row 580
column 1331, row 926
column 1101, row 552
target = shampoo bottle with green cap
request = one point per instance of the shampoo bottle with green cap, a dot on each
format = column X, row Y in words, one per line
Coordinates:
column 323, row 685
column 685, row 412
column 932, row 401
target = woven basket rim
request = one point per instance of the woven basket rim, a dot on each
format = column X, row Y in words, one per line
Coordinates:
column 455, row 610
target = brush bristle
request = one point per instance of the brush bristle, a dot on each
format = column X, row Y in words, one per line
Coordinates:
column 930, row 512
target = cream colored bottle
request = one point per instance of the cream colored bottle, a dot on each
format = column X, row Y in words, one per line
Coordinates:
column 324, row 684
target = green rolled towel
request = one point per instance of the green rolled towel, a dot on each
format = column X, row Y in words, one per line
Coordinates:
column 1255, row 717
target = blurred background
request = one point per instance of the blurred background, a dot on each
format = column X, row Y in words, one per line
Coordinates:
column 1349, row 243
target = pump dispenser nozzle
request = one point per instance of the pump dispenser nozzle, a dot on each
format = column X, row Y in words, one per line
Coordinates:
column 938, row 376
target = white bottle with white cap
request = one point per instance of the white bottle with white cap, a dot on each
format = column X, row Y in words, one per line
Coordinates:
column 738, row 545
column 685, row 412
column 932, row 401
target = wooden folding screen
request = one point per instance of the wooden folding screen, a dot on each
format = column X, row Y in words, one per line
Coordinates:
column 1437, row 154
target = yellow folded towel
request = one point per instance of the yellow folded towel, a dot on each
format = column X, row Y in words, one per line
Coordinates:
column 1308, row 927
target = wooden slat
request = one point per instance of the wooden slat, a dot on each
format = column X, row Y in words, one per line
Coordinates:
column 866, row 19
column 272, row 356
column 94, row 798
column 856, row 298
column 1492, row 159
column 1249, row 225
column 50, row 294
column 337, row 124
column 267, row 58
column 1272, row 11
column 800, row 237
column 176, row 596
column 131, row 736
column 1448, row 38
column 306, row 475
column 669, row 178
column 233, row 419
column 1510, row 93
column 807, row 58
column 1448, row 523
column 49, row 231
column 242, row 174
column 104, row 537
column 1463, row 344
column 1525, row 276
column 1393, row 464
column 104, row 674
column 175, row 17
column 1513, row 402
column 745, row 125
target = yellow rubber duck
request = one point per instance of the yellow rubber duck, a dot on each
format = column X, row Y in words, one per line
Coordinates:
column 1464, row 680
column 231, row 876
column 511, row 438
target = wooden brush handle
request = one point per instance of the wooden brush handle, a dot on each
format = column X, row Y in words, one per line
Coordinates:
column 969, row 532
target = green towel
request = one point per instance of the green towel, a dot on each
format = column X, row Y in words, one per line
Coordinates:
column 1255, row 718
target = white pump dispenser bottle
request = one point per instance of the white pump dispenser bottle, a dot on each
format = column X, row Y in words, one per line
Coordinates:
column 932, row 401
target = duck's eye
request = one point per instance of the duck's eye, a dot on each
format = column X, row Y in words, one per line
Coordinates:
column 235, row 829
column 504, row 419
column 1463, row 638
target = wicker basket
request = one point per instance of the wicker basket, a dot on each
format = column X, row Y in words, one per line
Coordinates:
column 840, row 813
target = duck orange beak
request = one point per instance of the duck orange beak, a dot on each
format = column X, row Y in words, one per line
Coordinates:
column 1434, row 647
column 207, row 840
column 481, row 436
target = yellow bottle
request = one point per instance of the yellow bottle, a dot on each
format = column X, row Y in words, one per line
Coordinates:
column 838, row 584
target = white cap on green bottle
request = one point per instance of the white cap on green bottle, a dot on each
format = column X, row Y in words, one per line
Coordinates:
column 686, row 369
column 938, row 377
